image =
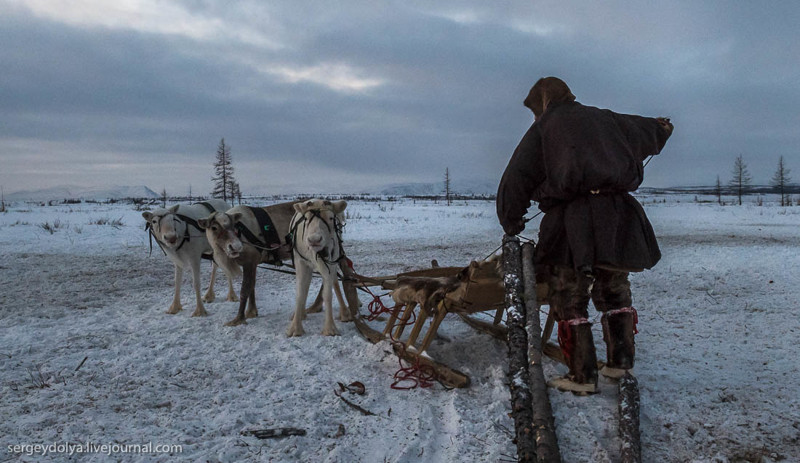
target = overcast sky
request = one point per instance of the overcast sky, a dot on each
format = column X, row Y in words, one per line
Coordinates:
column 355, row 94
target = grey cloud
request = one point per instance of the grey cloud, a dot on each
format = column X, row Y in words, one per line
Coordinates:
column 452, row 75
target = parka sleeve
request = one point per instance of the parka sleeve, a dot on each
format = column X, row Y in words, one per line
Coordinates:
column 645, row 135
column 523, row 175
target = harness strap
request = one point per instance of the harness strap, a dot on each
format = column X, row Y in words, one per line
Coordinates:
column 186, row 235
column 266, row 226
column 208, row 206
column 149, row 229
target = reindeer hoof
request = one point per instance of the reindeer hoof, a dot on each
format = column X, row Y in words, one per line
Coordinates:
column 236, row 322
column 251, row 313
column 330, row 331
column 173, row 309
column 346, row 317
column 209, row 297
column 232, row 298
column 295, row 331
column 200, row 313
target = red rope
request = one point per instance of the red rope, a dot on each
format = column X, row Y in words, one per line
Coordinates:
column 419, row 375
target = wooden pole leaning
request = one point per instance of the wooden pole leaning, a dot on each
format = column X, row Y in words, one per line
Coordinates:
column 544, row 426
column 518, row 374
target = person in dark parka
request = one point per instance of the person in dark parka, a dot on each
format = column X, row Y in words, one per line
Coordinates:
column 579, row 164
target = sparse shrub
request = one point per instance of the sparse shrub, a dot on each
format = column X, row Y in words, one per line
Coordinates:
column 52, row 227
column 41, row 380
column 116, row 223
column 352, row 215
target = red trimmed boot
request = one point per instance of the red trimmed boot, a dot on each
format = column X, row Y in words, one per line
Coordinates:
column 577, row 345
column 619, row 327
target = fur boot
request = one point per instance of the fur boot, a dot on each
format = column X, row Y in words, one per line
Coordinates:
column 577, row 344
column 619, row 327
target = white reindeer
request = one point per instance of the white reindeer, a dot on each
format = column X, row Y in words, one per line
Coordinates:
column 317, row 245
column 177, row 233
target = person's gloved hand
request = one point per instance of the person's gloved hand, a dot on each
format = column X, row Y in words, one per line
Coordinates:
column 666, row 124
column 515, row 227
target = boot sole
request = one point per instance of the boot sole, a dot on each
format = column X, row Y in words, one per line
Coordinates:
column 566, row 384
column 613, row 373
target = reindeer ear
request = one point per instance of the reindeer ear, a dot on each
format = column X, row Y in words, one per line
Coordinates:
column 205, row 223
column 236, row 217
column 147, row 215
column 174, row 208
column 339, row 206
column 300, row 207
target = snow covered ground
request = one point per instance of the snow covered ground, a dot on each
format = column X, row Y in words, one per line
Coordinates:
column 87, row 354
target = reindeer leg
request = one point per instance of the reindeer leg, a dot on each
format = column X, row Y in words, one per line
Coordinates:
column 252, row 311
column 200, row 310
column 248, row 283
column 210, row 296
column 176, row 299
column 232, row 297
column 328, row 281
column 344, row 311
column 317, row 305
column 302, row 282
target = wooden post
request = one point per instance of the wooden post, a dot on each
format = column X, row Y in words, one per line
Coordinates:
column 518, row 376
column 544, row 424
column 629, row 419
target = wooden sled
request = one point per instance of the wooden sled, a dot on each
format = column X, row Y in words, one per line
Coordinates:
column 481, row 290
column 436, row 292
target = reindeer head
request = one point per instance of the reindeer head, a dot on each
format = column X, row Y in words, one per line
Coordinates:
column 320, row 219
column 166, row 228
column 221, row 232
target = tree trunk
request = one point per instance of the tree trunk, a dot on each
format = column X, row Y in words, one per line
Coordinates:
column 518, row 377
column 544, row 424
column 629, row 419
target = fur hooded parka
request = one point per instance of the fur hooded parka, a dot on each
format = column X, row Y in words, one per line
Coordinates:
column 579, row 163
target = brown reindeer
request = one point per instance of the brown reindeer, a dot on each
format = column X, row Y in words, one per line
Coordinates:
column 240, row 244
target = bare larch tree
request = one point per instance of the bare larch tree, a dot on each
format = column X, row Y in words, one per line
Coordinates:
column 741, row 177
column 780, row 180
column 447, row 190
column 235, row 192
column 223, row 173
column 718, row 191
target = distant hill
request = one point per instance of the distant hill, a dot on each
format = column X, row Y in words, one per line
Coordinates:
column 84, row 193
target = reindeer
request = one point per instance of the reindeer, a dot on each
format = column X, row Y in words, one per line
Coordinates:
column 240, row 244
column 176, row 232
column 317, row 245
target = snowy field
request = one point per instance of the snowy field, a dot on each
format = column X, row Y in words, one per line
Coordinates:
column 88, row 355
